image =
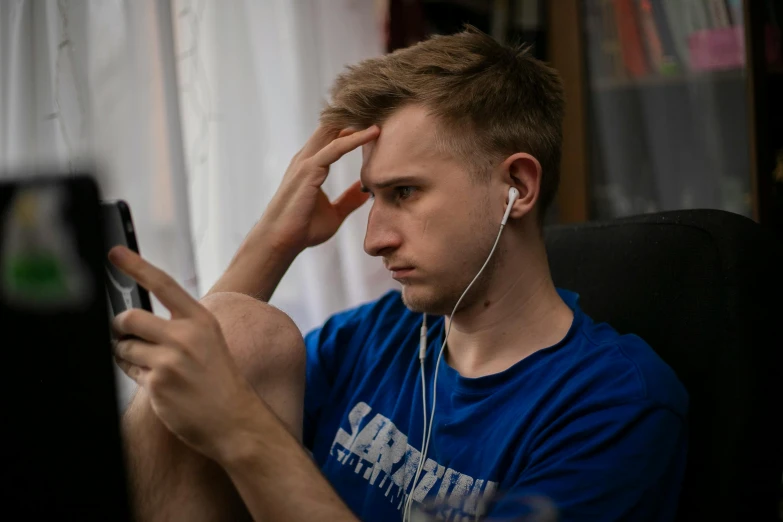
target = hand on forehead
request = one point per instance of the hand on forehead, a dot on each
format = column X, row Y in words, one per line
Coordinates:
column 406, row 146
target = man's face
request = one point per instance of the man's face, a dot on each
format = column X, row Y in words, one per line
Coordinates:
column 431, row 223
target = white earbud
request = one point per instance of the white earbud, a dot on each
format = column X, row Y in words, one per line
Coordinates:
column 513, row 195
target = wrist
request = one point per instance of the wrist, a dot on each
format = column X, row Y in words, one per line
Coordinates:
column 243, row 443
column 266, row 239
column 259, row 264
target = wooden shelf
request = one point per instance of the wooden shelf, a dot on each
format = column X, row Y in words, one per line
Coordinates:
column 582, row 33
column 604, row 84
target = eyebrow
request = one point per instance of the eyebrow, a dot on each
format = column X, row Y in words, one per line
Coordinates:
column 401, row 180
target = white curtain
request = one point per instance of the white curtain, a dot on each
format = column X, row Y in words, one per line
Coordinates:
column 192, row 110
column 95, row 83
column 254, row 77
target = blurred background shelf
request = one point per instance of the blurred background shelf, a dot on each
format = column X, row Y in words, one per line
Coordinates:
column 733, row 75
column 671, row 104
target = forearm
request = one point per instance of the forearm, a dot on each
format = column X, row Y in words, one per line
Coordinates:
column 167, row 479
column 277, row 479
column 258, row 265
column 146, row 439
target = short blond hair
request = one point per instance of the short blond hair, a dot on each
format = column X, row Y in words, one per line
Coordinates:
column 490, row 100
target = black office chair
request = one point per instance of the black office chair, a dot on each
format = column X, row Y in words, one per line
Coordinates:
column 704, row 289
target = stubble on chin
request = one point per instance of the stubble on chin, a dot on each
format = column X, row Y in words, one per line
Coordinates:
column 435, row 302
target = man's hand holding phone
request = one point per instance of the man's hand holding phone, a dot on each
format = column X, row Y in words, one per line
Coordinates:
column 183, row 363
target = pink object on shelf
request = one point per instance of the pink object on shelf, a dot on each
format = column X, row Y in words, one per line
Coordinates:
column 716, row 49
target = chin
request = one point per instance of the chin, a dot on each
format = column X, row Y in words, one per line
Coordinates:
column 424, row 300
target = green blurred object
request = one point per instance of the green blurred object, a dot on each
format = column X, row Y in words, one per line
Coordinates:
column 670, row 67
column 37, row 276
column 40, row 267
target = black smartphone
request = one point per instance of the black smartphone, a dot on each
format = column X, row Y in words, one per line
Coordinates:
column 118, row 229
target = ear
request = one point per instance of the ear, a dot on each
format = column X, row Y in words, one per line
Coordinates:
column 522, row 171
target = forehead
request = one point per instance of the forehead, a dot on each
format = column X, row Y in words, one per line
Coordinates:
column 406, row 146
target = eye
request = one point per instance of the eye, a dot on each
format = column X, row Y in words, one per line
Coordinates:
column 404, row 192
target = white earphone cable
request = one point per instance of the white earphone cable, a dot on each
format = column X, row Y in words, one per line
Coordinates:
column 409, row 502
column 422, row 356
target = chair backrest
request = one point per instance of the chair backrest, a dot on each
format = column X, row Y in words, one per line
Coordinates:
column 703, row 288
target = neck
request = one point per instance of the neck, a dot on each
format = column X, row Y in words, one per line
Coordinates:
column 517, row 313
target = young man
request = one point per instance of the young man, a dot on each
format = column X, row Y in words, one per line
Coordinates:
column 536, row 404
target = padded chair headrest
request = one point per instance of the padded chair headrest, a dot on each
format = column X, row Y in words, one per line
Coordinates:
column 703, row 288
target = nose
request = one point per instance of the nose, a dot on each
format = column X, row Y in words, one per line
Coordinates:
column 381, row 236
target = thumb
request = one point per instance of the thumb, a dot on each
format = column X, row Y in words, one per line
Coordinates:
column 350, row 200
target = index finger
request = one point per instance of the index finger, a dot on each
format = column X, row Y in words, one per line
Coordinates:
column 165, row 288
column 322, row 136
column 345, row 144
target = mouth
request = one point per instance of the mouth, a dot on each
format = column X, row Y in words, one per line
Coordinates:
column 400, row 272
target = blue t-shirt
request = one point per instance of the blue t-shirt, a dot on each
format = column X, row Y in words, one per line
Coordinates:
column 593, row 426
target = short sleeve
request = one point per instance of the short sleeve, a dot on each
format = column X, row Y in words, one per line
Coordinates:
column 620, row 463
column 326, row 347
column 333, row 351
